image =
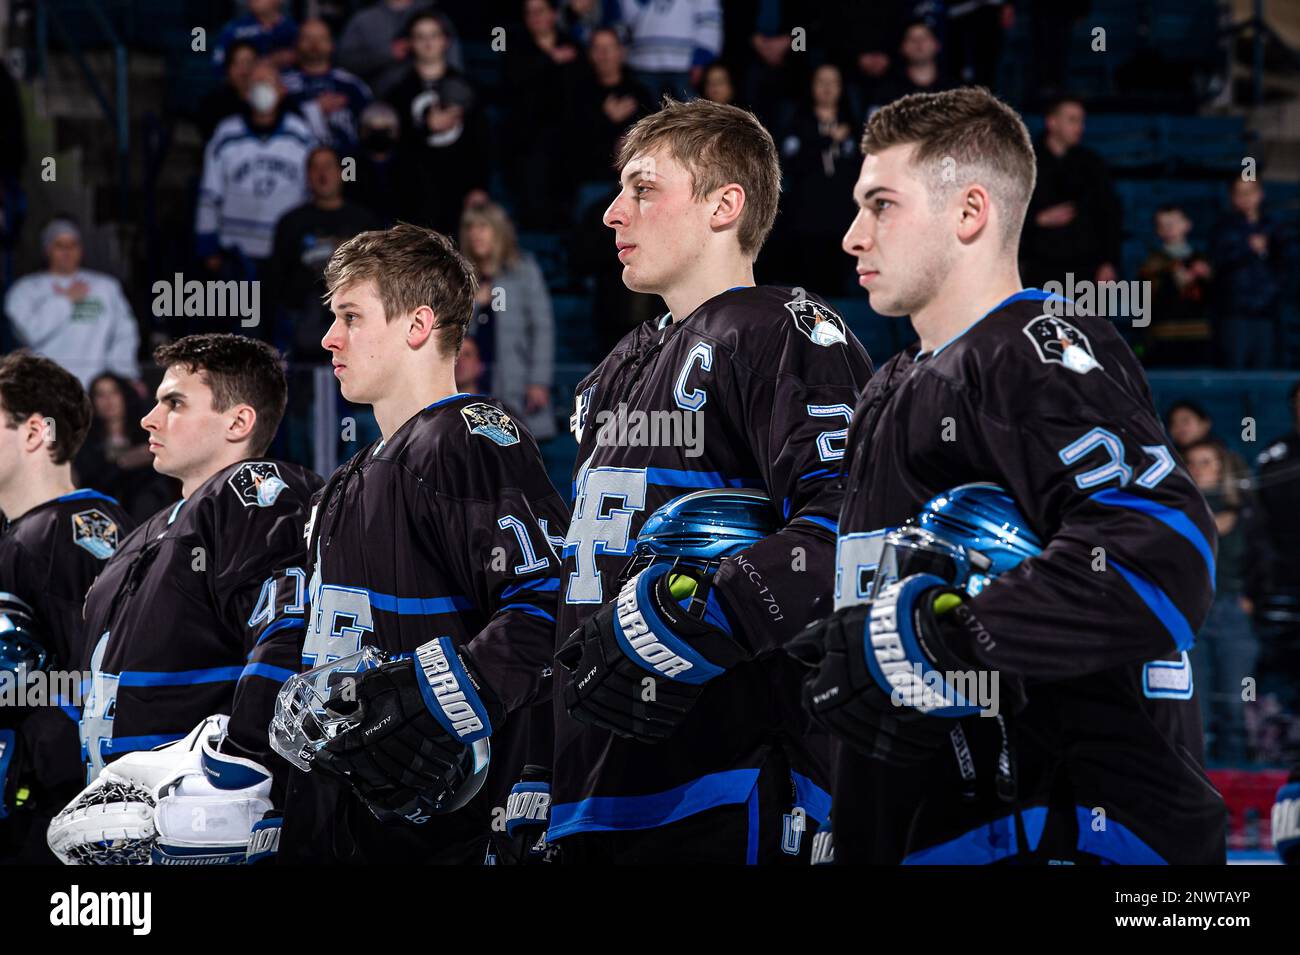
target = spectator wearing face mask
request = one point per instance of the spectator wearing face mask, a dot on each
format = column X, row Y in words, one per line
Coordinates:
column 329, row 98
column 381, row 166
column 253, row 172
column 231, row 96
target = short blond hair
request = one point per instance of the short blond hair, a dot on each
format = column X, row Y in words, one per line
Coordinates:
column 717, row 144
column 962, row 136
column 410, row 266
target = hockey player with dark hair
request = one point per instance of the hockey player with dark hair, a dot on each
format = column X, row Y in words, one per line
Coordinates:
column 53, row 542
column 194, row 623
column 1088, row 750
column 432, row 545
column 678, row 734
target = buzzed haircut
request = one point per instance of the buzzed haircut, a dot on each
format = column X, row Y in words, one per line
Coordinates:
column 410, row 266
column 962, row 136
column 30, row 384
column 238, row 370
column 717, row 144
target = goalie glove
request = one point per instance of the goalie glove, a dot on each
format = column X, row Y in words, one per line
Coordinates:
column 638, row 665
column 418, row 743
column 880, row 671
column 111, row 821
column 207, row 815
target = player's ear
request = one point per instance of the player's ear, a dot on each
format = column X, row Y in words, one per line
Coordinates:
column 34, row 431
column 242, row 423
column 420, row 325
column 729, row 204
column 973, row 213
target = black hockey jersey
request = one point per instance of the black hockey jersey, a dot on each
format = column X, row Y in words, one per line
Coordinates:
column 48, row 558
column 754, row 389
column 199, row 612
column 442, row 530
column 1108, row 749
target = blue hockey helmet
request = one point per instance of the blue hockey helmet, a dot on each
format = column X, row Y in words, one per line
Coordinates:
column 985, row 519
column 696, row 531
column 968, row 536
column 21, row 648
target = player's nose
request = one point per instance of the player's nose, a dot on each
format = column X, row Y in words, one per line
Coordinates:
column 150, row 422
column 615, row 215
column 858, row 238
column 331, row 341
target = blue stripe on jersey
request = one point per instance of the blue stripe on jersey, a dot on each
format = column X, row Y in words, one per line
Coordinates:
column 443, row 401
column 529, row 609
column 133, row 744
column 568, row 550
column 984, row 844
column 1025, row 294
column 751, row 841
column 178, row 677
column 276, row 627
column 831, row 526
column 674, row 477
column 277, row 674
column 613, row 813
column 1115, row 842
column 810, row 797
column 542, row 584
column 1159, row 603
column 419, row 605
column 820, row 472
column 1175, row 520
column 88, row 494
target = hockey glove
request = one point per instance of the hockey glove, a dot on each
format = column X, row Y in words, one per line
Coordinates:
column 639, row 663
column 1286, row 821
column 528, row 812
column 410, row 754
column 878, row 678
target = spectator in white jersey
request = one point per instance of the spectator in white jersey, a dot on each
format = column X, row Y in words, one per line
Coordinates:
column 78, row 318
column 253, row 173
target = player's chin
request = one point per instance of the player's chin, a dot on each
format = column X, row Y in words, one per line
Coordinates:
column 883, row 304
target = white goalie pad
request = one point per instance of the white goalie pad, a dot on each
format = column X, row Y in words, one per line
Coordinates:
column 111, row 821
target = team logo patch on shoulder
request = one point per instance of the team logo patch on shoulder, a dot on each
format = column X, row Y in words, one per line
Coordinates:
column 257, row 483
column 821, row 325
column 581, row 405
column 1056, row 340
column 95, row 531
column 491, row 422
